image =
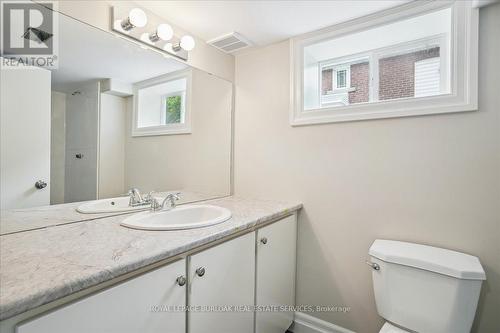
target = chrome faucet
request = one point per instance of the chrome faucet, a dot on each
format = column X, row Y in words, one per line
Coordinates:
column 136, row 199
column 135, row 196
column 171, row 198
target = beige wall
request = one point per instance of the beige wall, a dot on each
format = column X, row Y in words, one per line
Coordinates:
column 203, row 56
column 197, row 162
column 430, row 179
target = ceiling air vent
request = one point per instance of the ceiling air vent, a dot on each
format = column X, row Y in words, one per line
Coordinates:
column 230, row 43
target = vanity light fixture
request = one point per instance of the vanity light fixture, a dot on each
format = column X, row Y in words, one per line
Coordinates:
column 169, row 48
column 136, row 18
column 163, row 32
column 186, row 43
column 150, row 30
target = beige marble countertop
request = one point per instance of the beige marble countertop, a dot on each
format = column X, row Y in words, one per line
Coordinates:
column 43, row 265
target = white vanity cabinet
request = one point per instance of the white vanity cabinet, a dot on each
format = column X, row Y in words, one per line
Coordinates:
column 124, row 308
column 275, row 278
column 222, row 276
column 221, row 284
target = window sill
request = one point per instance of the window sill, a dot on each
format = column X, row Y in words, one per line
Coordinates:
column 385, row 109
column 162, row 130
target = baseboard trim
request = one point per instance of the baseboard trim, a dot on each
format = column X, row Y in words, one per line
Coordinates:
column 305, row 323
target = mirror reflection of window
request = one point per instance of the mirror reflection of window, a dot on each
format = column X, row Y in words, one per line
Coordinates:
column 162, row 105
column 173, row 108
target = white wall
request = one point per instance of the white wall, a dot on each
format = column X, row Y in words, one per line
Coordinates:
column 57, row 147
column 430, row 179
column 112, row 124
column 204, row 56
column 196, row 162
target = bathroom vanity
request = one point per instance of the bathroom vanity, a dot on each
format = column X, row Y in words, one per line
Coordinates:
column 98, row 276
column 120, row 117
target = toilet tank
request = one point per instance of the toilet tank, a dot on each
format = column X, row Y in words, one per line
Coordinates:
column 424, row 288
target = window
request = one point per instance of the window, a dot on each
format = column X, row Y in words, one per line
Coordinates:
column 341, row 78
column 161, row 105
column 420, row 58
column 173, row 107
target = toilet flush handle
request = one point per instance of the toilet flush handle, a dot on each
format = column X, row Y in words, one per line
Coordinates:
column 373, row 265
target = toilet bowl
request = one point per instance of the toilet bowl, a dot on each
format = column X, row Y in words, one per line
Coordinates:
column 421, row 288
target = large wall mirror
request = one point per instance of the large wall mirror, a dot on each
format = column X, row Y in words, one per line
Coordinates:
column 111, row 117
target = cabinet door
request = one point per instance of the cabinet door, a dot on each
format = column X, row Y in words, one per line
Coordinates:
column 137, row 305
column 228, row 281
column 275, row 285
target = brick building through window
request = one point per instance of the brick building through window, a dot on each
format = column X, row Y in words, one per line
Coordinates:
column 397, row 73
column 396, row 78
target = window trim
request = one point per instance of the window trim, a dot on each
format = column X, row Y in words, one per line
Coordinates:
column 167, row 129
column 463, row 76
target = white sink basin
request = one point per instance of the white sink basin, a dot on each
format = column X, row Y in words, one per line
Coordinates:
column 112, row 205
column 181, row 217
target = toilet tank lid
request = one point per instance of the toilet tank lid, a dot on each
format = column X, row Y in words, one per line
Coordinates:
column 434, row 259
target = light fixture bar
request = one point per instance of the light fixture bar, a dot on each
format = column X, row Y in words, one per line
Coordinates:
column 147, row 28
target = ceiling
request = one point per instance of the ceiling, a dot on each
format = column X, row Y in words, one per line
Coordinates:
column 262, row 22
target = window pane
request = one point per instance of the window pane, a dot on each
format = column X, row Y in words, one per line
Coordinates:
column 173, row 109
column 405, row 59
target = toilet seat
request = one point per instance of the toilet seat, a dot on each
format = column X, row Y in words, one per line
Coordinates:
column 389, row 328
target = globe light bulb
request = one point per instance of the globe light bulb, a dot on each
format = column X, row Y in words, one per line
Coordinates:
column 164, row 31
column 187, row 43
column 137, row 17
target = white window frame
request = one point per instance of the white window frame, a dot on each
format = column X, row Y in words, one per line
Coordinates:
column 166, row 129
column 463, row 66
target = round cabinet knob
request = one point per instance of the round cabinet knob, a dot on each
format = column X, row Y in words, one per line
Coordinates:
column 263, row 240
column 181, row 280
column 40, row 184
column 200, row 271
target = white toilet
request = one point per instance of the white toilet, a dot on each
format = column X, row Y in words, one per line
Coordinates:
column 424, row 289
